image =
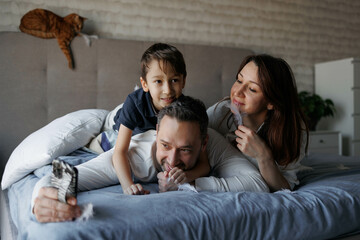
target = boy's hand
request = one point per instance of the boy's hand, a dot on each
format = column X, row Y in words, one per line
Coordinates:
column 165, row 183
column 178, row 176
column 135, row 189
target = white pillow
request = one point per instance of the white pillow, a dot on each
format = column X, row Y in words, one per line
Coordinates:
column 59, row 137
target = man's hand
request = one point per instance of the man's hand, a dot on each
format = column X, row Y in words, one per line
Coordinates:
column 166, row 183
column 178, row 176
column 47, row 208
column 135, row 189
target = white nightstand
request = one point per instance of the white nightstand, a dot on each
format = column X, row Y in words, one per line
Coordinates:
column 325, row 142
column 340, row 81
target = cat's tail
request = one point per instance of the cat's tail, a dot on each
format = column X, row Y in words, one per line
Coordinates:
column 36, row 33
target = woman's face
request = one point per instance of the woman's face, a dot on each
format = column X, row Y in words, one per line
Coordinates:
column 247, row 95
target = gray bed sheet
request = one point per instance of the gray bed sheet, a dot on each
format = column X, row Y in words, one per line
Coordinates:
column 8, row 229
column 325, row 205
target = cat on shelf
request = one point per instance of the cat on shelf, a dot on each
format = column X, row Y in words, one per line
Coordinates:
column 46, row 24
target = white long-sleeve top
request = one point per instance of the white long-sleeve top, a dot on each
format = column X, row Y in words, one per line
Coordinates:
column 230, row 170
column 220, row 123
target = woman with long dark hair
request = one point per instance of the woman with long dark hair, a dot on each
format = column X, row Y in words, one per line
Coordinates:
column 263, row 119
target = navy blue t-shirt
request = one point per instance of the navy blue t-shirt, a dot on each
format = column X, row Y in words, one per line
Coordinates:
column 137, row 113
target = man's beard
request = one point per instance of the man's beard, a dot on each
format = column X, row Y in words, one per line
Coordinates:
column 153, row 156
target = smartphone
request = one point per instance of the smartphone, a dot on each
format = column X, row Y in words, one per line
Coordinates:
column 64, row 177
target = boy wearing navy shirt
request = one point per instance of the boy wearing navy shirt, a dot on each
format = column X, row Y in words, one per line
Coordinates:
column 137, row 113
column 163, row 76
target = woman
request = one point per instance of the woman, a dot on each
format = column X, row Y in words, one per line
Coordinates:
column 272, row 130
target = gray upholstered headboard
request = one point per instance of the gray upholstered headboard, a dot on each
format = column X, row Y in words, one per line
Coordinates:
column 37, row 86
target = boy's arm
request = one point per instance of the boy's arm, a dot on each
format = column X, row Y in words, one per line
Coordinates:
column 122, row 165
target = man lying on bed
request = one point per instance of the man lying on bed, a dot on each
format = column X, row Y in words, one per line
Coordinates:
column 181, row 136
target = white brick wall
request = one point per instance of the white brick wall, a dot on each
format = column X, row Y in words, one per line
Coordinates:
column 303, row 32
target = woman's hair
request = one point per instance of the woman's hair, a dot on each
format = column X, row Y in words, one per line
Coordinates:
column 187, row 109
column 167, row 54
column 284, row 126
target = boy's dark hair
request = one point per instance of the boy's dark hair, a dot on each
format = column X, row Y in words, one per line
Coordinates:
column 167, row 54
column 187, row 109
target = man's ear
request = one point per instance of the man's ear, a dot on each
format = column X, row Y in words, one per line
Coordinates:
column 157, row 128
column 144, row 85
column 204, row 143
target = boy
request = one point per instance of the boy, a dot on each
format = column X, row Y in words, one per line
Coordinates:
column 163, row 76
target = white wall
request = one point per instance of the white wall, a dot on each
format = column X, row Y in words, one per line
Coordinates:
column 303, row 32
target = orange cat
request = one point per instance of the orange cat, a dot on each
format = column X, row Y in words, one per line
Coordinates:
column 46, row 24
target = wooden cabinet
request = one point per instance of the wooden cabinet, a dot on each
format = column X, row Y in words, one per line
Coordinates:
column 340, row 81
column 325, row 142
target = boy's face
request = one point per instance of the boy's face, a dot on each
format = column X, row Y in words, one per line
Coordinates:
column 178, row 144
column 164, row 85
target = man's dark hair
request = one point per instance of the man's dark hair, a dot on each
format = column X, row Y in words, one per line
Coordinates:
column 187, row 109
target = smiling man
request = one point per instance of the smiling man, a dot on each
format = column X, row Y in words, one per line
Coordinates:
column 181, row 136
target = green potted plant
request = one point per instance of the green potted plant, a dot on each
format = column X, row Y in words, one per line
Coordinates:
column 315, row 107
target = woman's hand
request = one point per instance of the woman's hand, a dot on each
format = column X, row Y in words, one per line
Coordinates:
column 251, row 144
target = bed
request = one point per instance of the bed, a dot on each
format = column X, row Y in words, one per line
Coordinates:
column 37, row 87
